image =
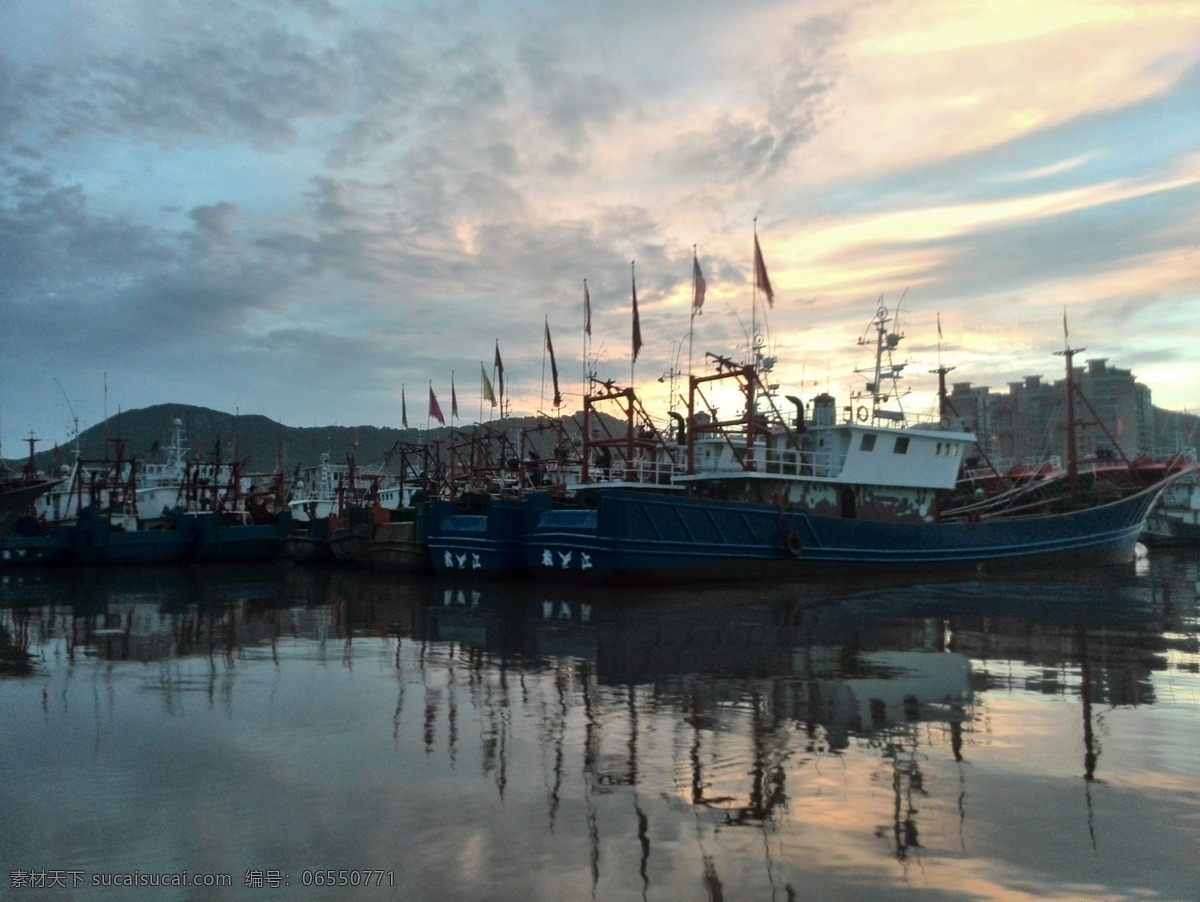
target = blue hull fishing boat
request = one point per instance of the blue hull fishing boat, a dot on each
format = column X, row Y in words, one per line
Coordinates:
column 844, row 490
column 31, row 545
column 633, row 536
column 203, row 511
column 488, row 540
column 215, row 539
column 98, row 539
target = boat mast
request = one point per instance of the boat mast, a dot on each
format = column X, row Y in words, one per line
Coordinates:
column 941, row 371
column 754, row 343
column 885, row 344
column 1068, row 353
column 31, row 465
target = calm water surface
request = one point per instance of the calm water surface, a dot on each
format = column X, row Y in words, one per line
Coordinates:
column 287, row 727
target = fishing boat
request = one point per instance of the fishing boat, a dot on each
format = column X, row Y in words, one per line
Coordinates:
column 162, row 485
column 238, row 536
column 503, row 486
column 16, row 497
column 1175, row 520
column 328, row 489
column 314, row 492
column 101, row 537
column 337, row 510
column 96, row 522
column 490, row 492
column 351, row 534
column 766, row 493
column 483, row 536
column 402, row 545
column 307, row 542
column 20, row 491
column 209, row 511
column 241, row 517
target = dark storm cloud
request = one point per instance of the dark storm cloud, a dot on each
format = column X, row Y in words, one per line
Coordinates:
column 49, row 236
column 117, row 283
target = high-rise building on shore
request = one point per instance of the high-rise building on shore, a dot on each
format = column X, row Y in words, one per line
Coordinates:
column 1113, row 414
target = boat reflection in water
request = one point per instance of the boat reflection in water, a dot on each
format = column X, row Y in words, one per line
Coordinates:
column 504, row 741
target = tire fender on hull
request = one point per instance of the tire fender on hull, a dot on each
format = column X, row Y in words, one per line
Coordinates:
column 791, row 543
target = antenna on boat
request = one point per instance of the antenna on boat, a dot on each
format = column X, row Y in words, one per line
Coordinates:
column 886, row 341
column 74, row 418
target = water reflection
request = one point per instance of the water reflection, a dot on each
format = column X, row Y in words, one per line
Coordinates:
column 764, row 742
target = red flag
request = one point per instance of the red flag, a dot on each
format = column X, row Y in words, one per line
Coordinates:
column 761, row 281
column 453, row 400
column 553, row 366
column 699, row 286
column 403, row 409
column 587, row 309
column 499, row 367
column 637, row 327
column 435, row 409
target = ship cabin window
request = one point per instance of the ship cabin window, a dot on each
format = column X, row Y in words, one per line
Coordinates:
column 947, row 449
column 868, row 442
column 901, row 446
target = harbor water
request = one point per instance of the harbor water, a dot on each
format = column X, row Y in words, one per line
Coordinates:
column 283, row 732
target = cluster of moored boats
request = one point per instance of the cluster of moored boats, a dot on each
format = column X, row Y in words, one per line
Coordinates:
column 116, row 511
column 773, row 490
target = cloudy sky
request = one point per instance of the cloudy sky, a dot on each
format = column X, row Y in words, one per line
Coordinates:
column 297, row 207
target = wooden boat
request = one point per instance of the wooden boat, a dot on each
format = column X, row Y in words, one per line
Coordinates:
column 19, row 491
column 307, row 541
column 401, row 545
column 16, row 497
